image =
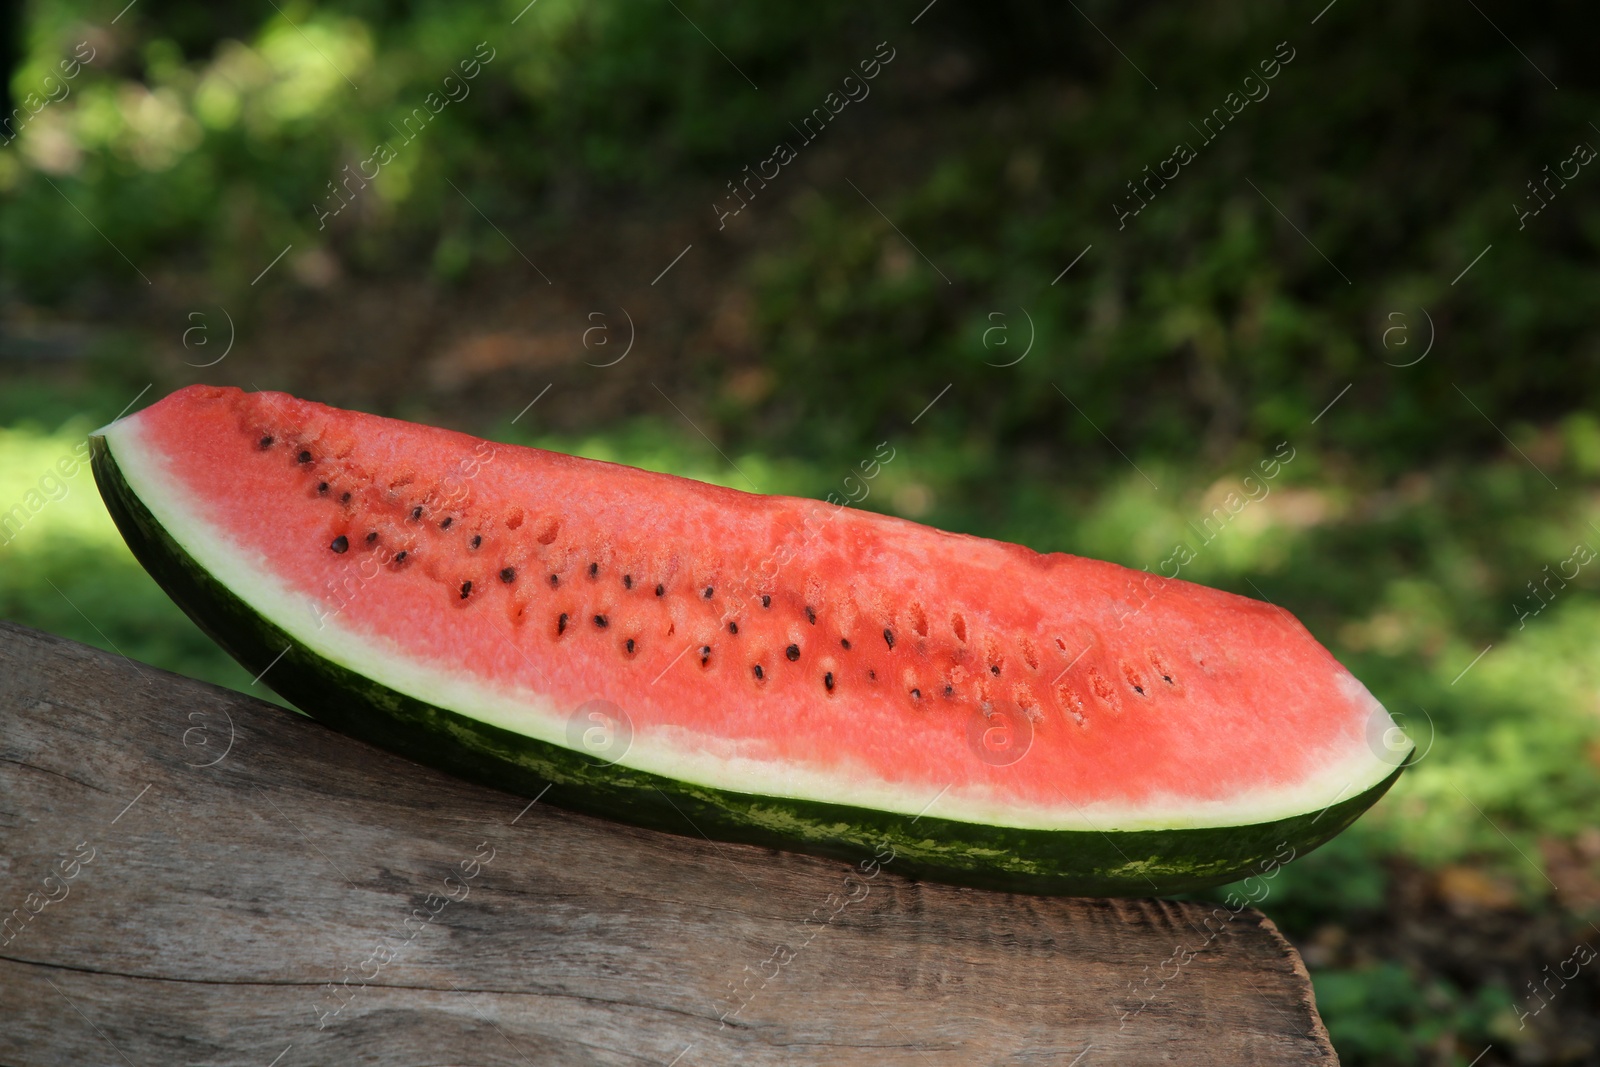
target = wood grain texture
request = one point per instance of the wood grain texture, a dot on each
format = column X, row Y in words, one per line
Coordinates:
column 190, row 875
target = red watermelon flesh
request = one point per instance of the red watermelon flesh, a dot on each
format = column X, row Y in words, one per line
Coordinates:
column 766, row 645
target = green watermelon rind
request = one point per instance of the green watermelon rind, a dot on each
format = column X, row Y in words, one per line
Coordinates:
column 1054, row 862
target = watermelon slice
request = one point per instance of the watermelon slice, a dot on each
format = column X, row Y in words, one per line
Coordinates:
column 764, row 669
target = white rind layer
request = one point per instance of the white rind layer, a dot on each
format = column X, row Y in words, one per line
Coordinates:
column 684, row 755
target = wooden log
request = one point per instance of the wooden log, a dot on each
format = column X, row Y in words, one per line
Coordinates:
column 191, row 875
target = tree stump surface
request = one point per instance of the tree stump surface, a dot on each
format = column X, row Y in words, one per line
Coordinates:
column 192, row 875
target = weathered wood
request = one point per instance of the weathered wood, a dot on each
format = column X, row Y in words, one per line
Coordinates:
column 216, row 861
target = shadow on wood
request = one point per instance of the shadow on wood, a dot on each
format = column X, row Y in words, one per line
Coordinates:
column 196, row 876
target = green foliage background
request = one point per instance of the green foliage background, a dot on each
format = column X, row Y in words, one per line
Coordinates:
column 1254, row 291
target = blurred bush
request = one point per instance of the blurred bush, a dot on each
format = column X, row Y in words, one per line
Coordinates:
column 1398, row 145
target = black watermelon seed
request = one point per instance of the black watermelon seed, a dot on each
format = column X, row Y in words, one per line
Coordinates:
column 873, row 675
column 594, row 569
column 949, row 690
column 555, row 579
column 994, row 669
column 630, row 646
column 266, row 442
column 304, row 457
column 827, row 680
column 477, row 539
column 811, row 616
column 466, row 590
column 766, row 601
column 661, row 590
column 1139, row 689
column 344, row 498
column 416, row 512
column 759, row 674
column 340, row 543
column 888, row 635
column 400, row 556
column 844, row 642
column 371, row 537
column 916, row 694
column 322, row 487
column 627, row 581
column 445, row 525
column 705, row 654
column 709, row 591
column 793, row 652
column 508, row 575
column 561, row 624
column 600, row 621
column 1167, row 678
column 733, row 627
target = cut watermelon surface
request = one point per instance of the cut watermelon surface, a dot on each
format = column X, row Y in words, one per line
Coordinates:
column 756, row 668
